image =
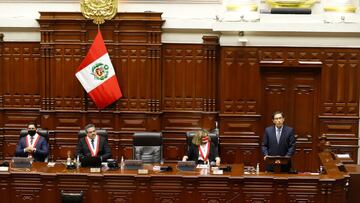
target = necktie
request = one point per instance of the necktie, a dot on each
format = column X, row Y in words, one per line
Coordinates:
column 92, row 143
column 31, row 140
column 278, row 134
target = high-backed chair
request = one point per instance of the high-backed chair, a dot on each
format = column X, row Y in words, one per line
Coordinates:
column 41, row 132
column 213, row 136
column 100, row 132
column 67, row 197
column 147, row 146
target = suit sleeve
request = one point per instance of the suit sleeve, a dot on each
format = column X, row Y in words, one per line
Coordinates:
column 214, row 152
column 292, row 143
column 265, row 144
column 20, row 149
column 43, row 150
column 80, row 150
column 190, row 152
column 107, row 151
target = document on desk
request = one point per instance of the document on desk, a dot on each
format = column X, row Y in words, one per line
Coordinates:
column 343, row 156
column 51, row 164
column 218, row 172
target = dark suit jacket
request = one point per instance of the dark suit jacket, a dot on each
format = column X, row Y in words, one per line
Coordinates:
column 82, row 149
column 42, row 149
column 286, row 146
column 193, row 153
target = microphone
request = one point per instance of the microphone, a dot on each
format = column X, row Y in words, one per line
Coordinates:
column 5, row 163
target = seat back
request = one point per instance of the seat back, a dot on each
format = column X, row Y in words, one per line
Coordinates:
column 100, row 132
column 147, row 146
column 67, row 197
column 213, row 136
column 41, row 132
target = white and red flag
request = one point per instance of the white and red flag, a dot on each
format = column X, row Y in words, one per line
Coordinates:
column 96, row 74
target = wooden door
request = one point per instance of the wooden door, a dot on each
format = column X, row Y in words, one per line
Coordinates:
column 295, row 92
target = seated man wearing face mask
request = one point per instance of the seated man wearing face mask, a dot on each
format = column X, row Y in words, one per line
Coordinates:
column 32, row 145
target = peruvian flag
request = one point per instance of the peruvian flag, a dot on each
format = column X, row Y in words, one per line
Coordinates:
column 96, row 74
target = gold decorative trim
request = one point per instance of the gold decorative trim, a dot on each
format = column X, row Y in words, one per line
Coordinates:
column 99, row 10
column 291, row 3
column 244, row 7
column 343, row 9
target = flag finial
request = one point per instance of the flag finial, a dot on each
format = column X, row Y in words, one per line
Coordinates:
column 99, row 10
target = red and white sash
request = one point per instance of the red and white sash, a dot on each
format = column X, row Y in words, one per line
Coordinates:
column 94, row 151
column 36, row 139
column 204, row 151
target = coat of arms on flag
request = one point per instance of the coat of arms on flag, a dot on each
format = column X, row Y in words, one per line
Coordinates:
column 97, row 75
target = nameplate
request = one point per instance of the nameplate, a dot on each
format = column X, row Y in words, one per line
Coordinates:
column 202, row 166
column 143, row 171
column 4, row 168
column 218, row 172
column 95, row 170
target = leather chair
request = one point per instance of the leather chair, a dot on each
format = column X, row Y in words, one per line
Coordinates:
column 41, row 132
column 100, row 132
column 67, row 197
column 148, row 147
column 213, row 136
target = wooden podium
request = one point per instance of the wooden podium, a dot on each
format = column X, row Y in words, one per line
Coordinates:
column 277, row 162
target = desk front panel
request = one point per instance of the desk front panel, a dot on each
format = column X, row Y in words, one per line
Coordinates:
column 42, row 184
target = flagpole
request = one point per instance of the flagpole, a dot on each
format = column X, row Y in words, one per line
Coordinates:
column 101, row 84
column 100, row 118
column 100, row 114
column 110, row 91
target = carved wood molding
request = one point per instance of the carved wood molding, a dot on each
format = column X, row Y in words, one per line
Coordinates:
column 1, row 70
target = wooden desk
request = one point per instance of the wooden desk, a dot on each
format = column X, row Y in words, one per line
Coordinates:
column 43, row 184
column 354, row 184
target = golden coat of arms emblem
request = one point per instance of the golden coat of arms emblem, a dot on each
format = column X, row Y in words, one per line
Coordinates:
column 99, row 10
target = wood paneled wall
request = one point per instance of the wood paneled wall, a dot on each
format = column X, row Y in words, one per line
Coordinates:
column 316, row 88
column 174, row 88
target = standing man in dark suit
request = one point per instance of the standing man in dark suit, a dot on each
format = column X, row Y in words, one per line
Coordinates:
column 32, row 145
column 279, row 140
column 93, row 145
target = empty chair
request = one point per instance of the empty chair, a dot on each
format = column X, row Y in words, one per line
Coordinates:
column 71, row 197
column 147, row 146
